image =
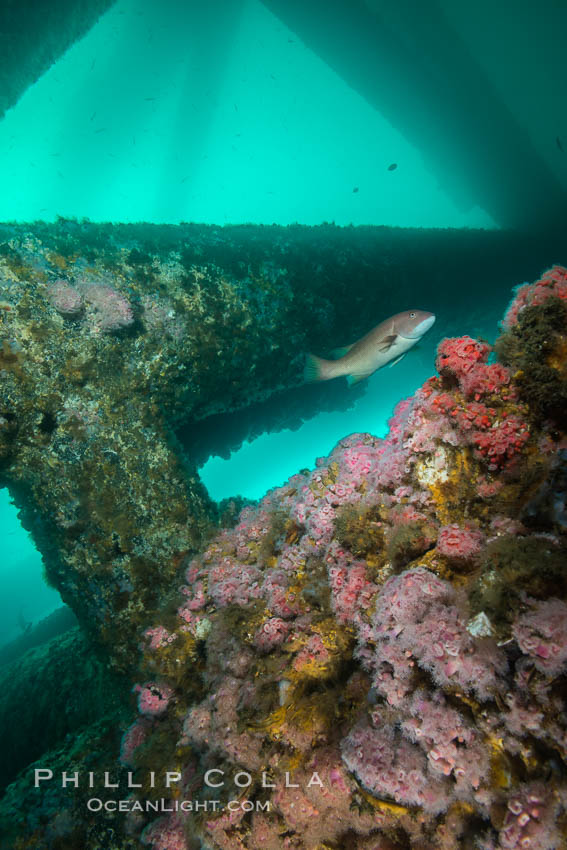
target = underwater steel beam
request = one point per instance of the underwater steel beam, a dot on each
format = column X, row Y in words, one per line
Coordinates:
column 408, row 62
column 33, row 35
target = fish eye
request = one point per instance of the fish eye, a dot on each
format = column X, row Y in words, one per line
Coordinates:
column 412, row 315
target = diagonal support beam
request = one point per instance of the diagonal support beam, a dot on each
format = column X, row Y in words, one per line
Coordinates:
column 410, row 64
column 33, row 35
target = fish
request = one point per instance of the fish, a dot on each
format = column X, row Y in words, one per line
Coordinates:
column 393, row 166
column 385, row 344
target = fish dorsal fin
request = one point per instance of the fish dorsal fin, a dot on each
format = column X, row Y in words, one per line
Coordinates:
column 388, row 341
column 337, row 353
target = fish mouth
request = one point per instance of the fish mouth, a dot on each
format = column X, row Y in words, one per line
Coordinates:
column 421, row 328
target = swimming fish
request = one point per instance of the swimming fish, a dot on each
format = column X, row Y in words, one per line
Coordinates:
column 386, row 343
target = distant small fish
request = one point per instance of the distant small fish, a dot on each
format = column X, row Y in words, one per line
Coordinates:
column 355, row 190
column 393, row 166
column 559, row 144
column 386, row 343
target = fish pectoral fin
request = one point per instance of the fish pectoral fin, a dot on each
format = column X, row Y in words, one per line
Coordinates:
column 397, row 360
column 388, row 341
column 356, row 379
column 337, row 353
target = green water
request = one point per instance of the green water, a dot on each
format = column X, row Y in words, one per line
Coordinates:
column 209, row 112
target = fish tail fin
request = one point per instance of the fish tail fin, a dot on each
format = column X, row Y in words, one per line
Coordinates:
column 315, row 369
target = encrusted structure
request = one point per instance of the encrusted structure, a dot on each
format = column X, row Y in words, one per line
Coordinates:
column 384, row 639
column 113, row 335
column 371, row 658
column 109, row 338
